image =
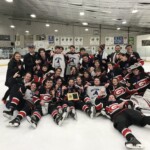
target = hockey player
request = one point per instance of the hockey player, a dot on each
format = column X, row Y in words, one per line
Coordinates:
column 87, row 62
column 43, row 59
column 30, row 99
column 78, row 103
column 123, row 117
column 19, row 86
column 101, row 56
column 82, row 92
column 133, row 57
column 120, row 90
column 46, row 105
column 140, row 80
column 98, row 66
column 61, row 103
column 114, row 72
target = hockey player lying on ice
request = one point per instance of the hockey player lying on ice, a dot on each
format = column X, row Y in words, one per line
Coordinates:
column 123, row 117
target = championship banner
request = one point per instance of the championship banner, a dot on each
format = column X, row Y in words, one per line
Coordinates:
column 59, row 62
column 92, row 92
column 73, row 61
column 73, row 96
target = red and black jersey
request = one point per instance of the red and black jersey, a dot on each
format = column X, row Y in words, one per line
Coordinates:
column 59, row 94
column 134, row 58
column 46, row 94
column 140, row 82
column 112, row 107
column 71, row 89
column 121, row 91
column 115, row 73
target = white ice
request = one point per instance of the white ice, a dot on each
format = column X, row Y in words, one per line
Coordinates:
column 83, row 134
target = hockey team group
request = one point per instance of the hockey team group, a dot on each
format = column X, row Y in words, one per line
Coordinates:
column 56, row 83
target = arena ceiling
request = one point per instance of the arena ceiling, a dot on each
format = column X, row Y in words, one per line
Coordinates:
column 127, row 13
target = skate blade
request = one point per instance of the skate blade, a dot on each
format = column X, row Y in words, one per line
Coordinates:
column 75, row 117
column 65, row 115
column 97, row 114
column 138, row 146
column 31, row 123
column 7, row 116
column 13, row 125
column 91, row 115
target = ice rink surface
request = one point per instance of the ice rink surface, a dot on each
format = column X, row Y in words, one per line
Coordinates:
column 83, row 134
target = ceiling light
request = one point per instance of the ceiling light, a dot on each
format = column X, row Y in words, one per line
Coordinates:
column 12, row 26
column 33, row 16
column 27, row 31
column 118, row 28
column 86, row 29
column 9, row 1
column 85, row 23
column 47, row 25
column 134, row 11
column 82, row 13
column 124, row 22
column 56, row 30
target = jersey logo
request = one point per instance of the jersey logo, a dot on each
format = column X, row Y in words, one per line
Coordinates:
column 112, row 108
column 119, row 91
column 94, row 91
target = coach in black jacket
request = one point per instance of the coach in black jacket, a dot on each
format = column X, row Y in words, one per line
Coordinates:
column 114, row 57
column 30, row 59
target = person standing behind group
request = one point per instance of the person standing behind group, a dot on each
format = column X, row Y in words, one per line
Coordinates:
column 101, row 56
column 30, row 59
column 114, row 57
column 15, row 65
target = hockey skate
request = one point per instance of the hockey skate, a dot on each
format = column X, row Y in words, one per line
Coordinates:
column 14, row 123
column 73, row 114
column 66, row 111
column 8, row 113
column 60, row 111
column 32, row 120
column 59, row 119
column 134, row 144
column 91, row 112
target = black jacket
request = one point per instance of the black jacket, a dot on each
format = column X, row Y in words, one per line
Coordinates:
column 29, row 62
column 13, row 68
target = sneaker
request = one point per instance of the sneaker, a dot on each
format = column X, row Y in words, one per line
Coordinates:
column 8, row 113
column 32, row 120
column 133, row 144
column 59, row 119
column 73, row 114
column 15, row 122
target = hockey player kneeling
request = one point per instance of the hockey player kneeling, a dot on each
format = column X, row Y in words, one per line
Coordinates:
column 46, row 105
column 123, row 117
